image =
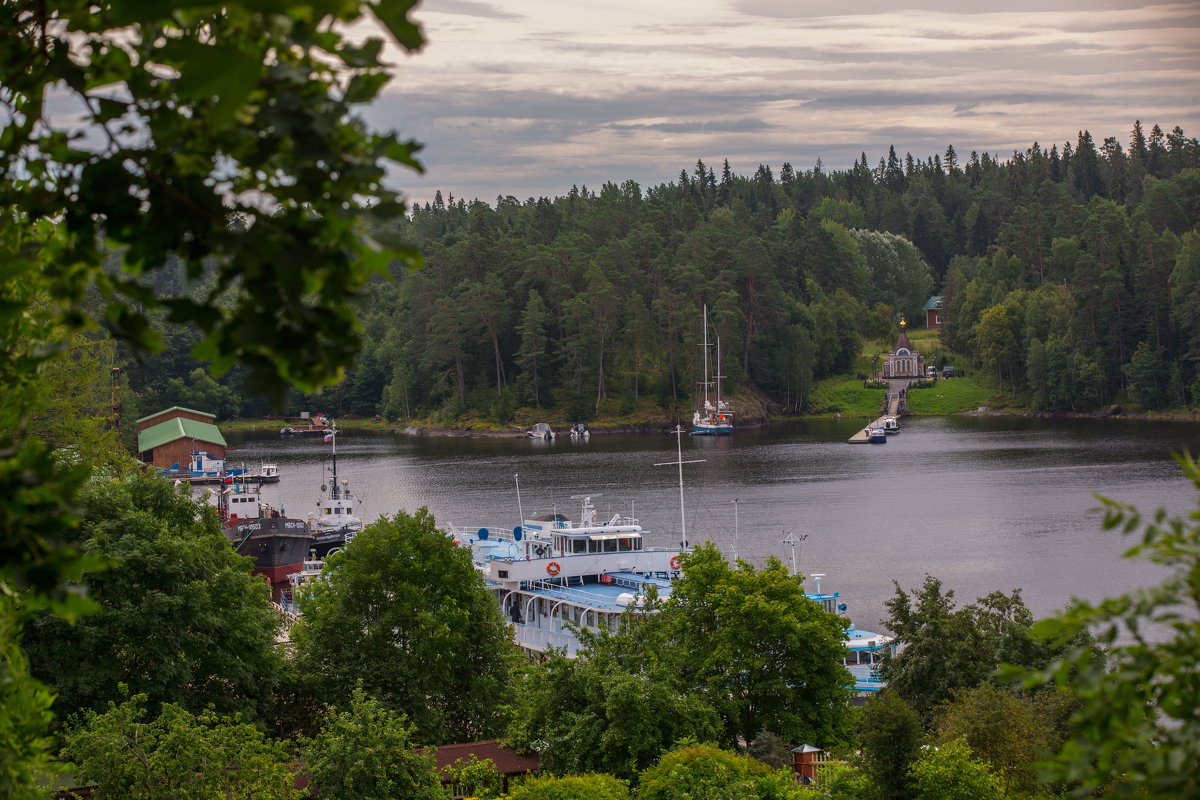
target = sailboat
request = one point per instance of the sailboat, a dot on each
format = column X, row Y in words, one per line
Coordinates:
column 714, row 418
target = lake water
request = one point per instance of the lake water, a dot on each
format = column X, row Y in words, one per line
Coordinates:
column 983, row 503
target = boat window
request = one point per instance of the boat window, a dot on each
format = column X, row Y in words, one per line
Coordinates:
column 579, row 546
column 625, row 544
column 610, row 546
column 591, row 619
column 328, row 510
column 593, row 547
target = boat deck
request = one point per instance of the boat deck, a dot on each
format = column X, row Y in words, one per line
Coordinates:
column 601, row 596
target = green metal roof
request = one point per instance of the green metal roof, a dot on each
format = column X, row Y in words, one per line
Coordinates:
column 176, row 408
column 933, row 304
column 178, row 428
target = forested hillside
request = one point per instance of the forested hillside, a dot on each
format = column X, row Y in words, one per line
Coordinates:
column 1071, row 273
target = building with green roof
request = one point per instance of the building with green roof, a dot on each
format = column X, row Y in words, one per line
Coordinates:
column 175, row 435
column 935, row 314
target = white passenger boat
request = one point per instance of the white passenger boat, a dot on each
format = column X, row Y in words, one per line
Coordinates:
column 550, row 571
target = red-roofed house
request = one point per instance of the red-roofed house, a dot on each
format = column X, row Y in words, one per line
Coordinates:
column 509, row 763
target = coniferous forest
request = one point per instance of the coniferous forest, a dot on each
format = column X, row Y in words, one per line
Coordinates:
column 1070, row 275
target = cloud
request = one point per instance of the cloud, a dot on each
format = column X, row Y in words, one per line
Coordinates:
column 470, row 8
column 533, row 96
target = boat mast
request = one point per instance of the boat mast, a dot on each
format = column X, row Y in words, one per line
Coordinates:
column 679, row 431
column 335, row 493
column 718, row 376
column 707, row 380
column 520, row 511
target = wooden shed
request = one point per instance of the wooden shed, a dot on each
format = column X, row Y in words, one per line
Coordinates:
column 174, row 435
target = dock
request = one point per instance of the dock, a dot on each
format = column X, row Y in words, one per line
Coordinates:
column 895, row 404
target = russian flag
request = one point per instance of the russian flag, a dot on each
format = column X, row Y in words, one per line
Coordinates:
column 329, row 437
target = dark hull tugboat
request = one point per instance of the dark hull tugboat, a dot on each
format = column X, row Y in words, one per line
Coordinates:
column 277, row 543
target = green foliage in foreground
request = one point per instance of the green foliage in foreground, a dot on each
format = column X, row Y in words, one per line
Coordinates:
column 951, row 772
column 946, row 648
column 705, row 772
column 365, row 753
column 25, row 716
column 181, row 619
column 404, row 612
column 734, row 651
column 472, row 777
column 218, row 143
column 175, row 755
column 570, row 787
column 890, row 740
column 1137, row 730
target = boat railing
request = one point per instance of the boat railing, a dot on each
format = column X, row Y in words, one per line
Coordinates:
column 542, row 639
column 580, row 596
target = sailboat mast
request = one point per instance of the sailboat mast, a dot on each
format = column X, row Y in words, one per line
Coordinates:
column 706, row 378
column 718, row 376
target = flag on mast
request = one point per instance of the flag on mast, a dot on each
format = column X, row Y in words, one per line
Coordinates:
column 329, row 437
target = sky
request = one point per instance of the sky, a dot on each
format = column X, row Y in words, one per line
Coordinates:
column 530, row 97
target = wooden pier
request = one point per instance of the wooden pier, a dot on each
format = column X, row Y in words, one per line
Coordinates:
column 895, row 404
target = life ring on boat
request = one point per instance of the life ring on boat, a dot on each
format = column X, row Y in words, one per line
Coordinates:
column 552, row 568
column 674, row 562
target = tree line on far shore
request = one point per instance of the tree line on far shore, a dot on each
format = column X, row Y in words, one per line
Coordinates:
column 1070, row 275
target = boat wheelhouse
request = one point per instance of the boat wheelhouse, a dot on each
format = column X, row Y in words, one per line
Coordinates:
column 278, row 544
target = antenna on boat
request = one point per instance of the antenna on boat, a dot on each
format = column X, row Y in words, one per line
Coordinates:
column 520, row 512
column 816, row 576
column 680, row 462
column 790, row 540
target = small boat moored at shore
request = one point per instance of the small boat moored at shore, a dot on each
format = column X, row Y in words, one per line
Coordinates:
column 541, row 430
column 876, row 435
column 891, row 426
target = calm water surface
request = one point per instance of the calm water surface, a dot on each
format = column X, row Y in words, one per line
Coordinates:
column 983, row 503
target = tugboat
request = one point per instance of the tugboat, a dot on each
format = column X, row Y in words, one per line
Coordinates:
column 277, row 543
column 335, row 524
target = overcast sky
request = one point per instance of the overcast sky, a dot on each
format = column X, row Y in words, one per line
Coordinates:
column 528, row 97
